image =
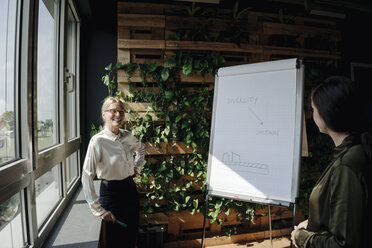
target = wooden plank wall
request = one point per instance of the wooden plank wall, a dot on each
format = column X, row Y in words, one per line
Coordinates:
column 145, row 32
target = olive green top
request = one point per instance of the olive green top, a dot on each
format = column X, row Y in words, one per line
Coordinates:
column 338, row 201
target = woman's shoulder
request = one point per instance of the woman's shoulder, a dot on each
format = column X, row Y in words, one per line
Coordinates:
column 124, row 133
column 98, row 136
column 127, row 137
column 355, row 154
column 355, row 158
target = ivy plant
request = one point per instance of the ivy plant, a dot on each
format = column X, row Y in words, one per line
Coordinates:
column 176, row 182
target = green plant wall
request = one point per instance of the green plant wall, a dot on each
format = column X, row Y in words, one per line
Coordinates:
column 175, row 182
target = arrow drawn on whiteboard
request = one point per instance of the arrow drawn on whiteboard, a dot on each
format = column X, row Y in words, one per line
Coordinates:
column 255, row 115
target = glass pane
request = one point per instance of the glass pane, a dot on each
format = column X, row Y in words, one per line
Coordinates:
column 46, row 76
column 71, row 169
column 71, row 66
column 47, row 188
column 11, row 231
column 8, row 29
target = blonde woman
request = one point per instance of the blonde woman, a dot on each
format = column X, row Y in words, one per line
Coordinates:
column 110, row 157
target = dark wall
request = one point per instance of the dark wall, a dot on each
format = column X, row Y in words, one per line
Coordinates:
column 98, row 49
column 357, row 48
column 356, row 39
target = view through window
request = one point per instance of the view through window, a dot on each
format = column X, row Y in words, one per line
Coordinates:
column 8, row 31
column 46, row 75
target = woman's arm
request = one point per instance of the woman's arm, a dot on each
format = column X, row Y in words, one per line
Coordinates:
column 88, row 173
column 139, row 159
column 346, row 214
column 90, row 195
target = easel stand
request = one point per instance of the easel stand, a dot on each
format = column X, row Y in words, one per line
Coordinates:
column 293, row 223
column 206, row 204
column 269, row 210
column 294, row 218
column 271, row 231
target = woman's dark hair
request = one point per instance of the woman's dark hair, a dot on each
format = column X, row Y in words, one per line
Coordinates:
column 343, row 108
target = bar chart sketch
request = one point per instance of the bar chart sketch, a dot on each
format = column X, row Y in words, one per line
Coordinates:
column 233, row 162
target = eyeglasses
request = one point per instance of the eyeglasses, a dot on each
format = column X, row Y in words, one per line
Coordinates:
column 114, row 111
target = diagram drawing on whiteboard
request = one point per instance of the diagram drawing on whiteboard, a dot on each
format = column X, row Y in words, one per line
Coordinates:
column 232, row 160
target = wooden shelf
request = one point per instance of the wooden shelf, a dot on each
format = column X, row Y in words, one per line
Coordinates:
column 213, row 24
column 142, row 44
column 141, row 20
column 212, row 46
column 226, row 47
column 172, row 147
column 194, row 78
column 293, row 29
column 224, row 240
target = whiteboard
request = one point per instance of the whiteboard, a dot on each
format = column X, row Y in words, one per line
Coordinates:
column 255, row 144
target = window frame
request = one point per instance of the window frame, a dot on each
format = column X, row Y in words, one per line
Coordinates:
column 16, row 91
column 19, row 175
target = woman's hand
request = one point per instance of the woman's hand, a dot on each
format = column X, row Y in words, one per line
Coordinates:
column 108, row 216
column 293, row 233
column 302, row 225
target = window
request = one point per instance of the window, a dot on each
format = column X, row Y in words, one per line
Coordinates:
column 47, row 90
column 72, row 111
column 36, row 45
column 72, row 31
column 47, row 188
column 71, row 169
column 8, row 79
column 11, row 234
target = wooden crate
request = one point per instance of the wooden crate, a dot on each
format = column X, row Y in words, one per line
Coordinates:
column 140, row 37
column 209, row 29
column 224, row 240
column 179, row 222
column 184, row 222
column 194, row 78
column 172, row 148
column 147, row 8
column 189, row 83
column 140, row 20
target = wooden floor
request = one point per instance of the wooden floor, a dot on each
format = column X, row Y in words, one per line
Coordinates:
column 277, row 243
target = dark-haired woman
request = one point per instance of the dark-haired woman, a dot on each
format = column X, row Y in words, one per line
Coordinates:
column 338, row 204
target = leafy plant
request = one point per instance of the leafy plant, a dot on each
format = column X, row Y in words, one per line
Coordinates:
column 109, row 79
column 192, row 10
column 236, row 32
column 283, row 19
column 176, row 182
column 95, row 129
column 239, row 15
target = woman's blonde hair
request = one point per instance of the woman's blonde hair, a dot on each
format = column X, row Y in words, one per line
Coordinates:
column 110, row 100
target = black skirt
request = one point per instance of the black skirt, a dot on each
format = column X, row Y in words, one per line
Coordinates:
column 121, row 198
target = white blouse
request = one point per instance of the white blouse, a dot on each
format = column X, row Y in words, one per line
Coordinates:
column 110, row 157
